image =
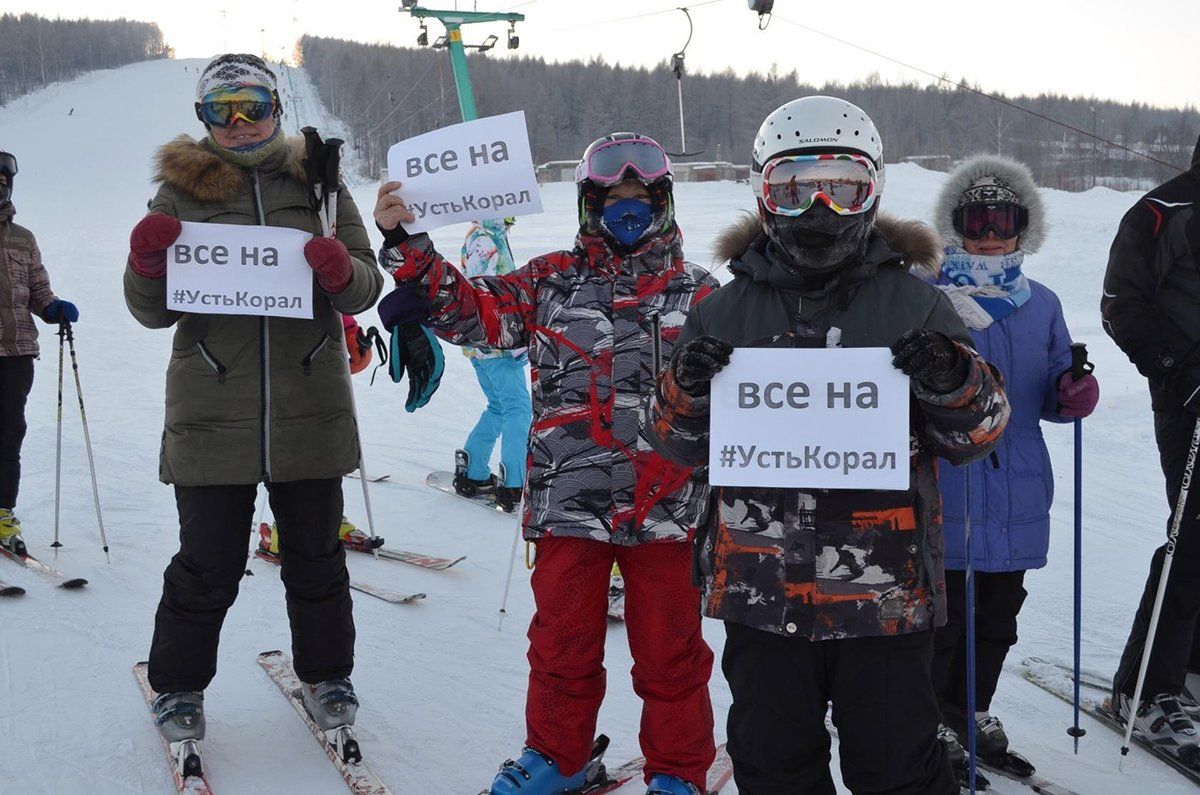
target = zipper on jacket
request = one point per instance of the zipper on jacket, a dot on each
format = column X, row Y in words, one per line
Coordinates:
column 265, row 336
column 308, row 360
column 217, row 367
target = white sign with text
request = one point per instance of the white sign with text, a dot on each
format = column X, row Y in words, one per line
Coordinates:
column 827, row 418
column 234, row 269
column 474, row 171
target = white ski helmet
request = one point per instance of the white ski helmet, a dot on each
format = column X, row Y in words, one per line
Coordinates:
column 816, row 124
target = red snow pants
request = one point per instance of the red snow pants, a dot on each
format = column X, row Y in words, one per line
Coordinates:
column 671, row 661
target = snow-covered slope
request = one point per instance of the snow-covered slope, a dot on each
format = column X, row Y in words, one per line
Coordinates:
column 442, row 682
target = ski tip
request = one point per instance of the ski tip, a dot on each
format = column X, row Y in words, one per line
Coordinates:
column 12, row 590
column 73, row 584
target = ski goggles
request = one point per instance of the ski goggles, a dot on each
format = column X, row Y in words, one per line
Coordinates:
column 1006, row 221
column 790, row 185
column 8, row 164
column 609, row 162
column 224, row 106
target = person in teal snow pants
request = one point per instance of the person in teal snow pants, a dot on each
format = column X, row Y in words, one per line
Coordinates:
column 504, row 381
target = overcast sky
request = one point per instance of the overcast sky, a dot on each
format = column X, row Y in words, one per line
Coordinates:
column 1107, row 48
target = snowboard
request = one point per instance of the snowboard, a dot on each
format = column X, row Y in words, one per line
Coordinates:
column 444, row 481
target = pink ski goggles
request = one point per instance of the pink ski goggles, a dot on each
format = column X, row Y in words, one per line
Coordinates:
column 609, row 162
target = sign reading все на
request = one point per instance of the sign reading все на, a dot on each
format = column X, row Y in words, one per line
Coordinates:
column 234, row 269
column 829, row 418
column 473, row 171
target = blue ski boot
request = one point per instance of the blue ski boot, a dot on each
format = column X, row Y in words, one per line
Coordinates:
column 537, row 774
column 662, row 784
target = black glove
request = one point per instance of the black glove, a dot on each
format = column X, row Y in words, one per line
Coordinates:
column 417, row 353
column 932, row 359
column 698, row 361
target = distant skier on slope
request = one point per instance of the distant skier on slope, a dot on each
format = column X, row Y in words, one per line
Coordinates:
column 1151, row 309
column 594, row 491
column 817, row 268
column 989, row 215
column 502, row 377
column 24, row 292
column 252, row 400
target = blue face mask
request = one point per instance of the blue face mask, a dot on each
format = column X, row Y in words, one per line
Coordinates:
column 627, row 220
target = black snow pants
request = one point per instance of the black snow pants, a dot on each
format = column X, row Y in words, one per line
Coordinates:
column 16, row 379
column 998, row 599
column 883, row 707
column 201, row 582
column 1181, row 603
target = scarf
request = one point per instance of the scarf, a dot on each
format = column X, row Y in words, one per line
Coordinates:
column 252, row 155
column 983, row 289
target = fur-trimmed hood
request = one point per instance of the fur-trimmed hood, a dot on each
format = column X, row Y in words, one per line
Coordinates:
column 192, row 167
column 1015, row 174
column 913, row 241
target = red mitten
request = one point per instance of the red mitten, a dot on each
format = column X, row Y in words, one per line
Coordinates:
column 148, row 244
column 330, row 260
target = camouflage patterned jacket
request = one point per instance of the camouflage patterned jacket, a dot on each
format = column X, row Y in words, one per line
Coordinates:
column 827, row 564
column 587, row 317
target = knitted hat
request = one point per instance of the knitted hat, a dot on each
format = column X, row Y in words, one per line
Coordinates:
column 989, row 189
column 234, row 69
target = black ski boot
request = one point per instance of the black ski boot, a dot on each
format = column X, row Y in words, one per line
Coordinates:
column 507, row 497
column 991, row 743
column 464, row 485
column 958, row 760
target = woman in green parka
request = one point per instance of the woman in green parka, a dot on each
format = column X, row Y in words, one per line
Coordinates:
column 252, row 400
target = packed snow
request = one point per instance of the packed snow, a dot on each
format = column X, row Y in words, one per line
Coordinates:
column 442, row 681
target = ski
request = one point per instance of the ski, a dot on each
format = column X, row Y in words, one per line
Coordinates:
column 372, row 590
column 616, row 601
column 356, row 475
column 1060, row 682
column 176, row 758
column 1035, row 782
column 45, row 570
column 424, row 561
column 358, row 777
column 627, row 779
column 10, row 590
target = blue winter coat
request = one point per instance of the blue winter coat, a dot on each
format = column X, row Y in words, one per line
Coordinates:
column 1010, row 504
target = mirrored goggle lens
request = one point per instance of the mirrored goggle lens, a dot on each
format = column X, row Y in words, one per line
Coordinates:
column 609, row 163
column 1005, row 220
column 792, row 185
column 8, row 164
column 253, row 103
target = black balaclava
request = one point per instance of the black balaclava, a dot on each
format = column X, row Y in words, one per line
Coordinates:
column 6, row 191
column 818, row 242
column 591, row 213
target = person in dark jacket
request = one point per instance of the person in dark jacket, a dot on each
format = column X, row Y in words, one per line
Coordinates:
column 252, row 400
column 990, row 216
column 593, row 318
column 830, row 595
column 1151, row 309
column 24, row 292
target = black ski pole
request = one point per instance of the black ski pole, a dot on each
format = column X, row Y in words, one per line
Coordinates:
column 1080, row 367
column 87, row 441
column 62, row 334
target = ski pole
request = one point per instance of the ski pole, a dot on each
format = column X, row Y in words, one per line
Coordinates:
column 62, row 333
column 656, row 325
column 970, row 589
column 512, row 562
column 1080, row 367
column 87, row 440
column 1168, row 559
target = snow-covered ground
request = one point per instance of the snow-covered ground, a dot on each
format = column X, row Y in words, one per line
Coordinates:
column 442, row 682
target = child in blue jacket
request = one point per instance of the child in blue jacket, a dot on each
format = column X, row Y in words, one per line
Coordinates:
column 990, row 216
